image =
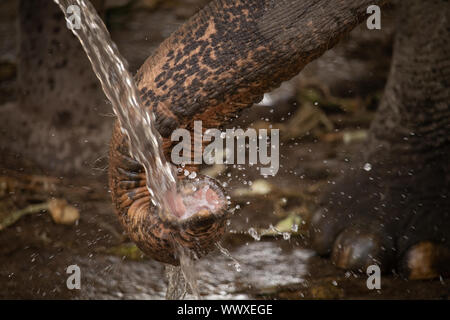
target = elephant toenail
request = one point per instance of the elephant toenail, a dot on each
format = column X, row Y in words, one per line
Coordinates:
column 426, row 260
column 356, row 250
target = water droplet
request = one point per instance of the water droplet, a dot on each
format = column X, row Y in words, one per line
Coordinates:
column 227, row 254
column 254, row 234
column 193, row 175
column 367, row 166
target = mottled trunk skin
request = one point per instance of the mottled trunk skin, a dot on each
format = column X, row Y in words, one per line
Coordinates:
column 228, row 55
column 222, row 60
column 59, row 123
column 400, row 208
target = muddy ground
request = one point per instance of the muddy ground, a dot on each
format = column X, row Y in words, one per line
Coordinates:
column 334, row 101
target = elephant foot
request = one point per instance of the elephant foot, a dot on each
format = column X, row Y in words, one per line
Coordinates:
column 396, row 219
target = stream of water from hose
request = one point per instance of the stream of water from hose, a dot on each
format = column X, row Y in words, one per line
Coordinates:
column 136, row 123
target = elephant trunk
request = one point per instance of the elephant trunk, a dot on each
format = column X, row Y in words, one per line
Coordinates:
column 219, row 62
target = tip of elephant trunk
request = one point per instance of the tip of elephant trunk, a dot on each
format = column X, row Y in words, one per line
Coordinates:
column 196, row 199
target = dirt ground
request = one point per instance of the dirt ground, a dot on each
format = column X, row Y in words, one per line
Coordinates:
column 333, row 116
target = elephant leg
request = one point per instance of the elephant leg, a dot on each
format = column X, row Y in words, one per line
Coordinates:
column 393, row 207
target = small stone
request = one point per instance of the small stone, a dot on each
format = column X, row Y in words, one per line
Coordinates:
column 62, row 212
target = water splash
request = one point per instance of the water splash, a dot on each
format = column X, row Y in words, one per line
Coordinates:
column 187, row 266
column 136, row 123
column 177, row 286
column 227, row 254
column 254, row 234
column 182, row 279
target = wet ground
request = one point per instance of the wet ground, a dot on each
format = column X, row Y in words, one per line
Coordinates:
column 274, row 262
column 35, row 252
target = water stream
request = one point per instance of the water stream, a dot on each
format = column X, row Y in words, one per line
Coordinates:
column 135, row 122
